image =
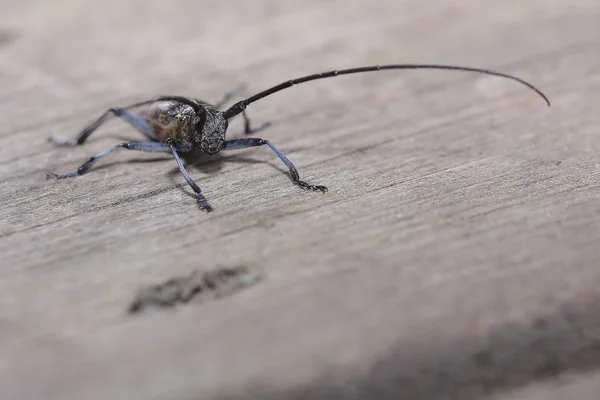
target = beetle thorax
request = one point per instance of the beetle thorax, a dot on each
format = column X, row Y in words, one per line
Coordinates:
column 172, row 120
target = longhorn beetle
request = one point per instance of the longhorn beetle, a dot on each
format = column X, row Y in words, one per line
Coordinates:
column 175, row 124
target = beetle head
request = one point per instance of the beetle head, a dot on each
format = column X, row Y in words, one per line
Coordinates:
column 212, row 137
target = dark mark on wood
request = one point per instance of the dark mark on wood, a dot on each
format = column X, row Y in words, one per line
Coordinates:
column 213, row 284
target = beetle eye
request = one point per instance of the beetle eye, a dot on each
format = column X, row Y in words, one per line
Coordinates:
column 200, row 111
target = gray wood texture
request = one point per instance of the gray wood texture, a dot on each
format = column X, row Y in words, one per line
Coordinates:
column 455, row 256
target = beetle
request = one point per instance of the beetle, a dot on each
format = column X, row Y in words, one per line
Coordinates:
column 177, row 124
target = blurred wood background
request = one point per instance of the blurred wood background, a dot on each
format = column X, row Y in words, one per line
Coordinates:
column 455, row 256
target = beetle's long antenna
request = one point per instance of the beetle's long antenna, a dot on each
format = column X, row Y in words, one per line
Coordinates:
column 241, row 105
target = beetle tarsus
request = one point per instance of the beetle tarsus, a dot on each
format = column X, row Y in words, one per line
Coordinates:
column 203, row 203
column 310, row 186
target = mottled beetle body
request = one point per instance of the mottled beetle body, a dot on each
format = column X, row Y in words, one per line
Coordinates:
column 201, row 126
column 174, row 124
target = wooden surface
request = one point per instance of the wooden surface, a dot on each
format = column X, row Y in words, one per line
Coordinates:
column 455, row 256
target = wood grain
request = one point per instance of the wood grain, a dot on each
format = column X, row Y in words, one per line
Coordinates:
column 462, row 211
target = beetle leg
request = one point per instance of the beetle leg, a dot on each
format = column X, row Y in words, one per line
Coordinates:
column 121, row 112
column 253, row 142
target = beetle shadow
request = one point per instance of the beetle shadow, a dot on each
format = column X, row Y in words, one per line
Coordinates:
column 198, row 161
column 192, row 160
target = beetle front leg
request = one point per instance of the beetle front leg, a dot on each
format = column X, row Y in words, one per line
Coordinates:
column 202, row 202
column 254, row 142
